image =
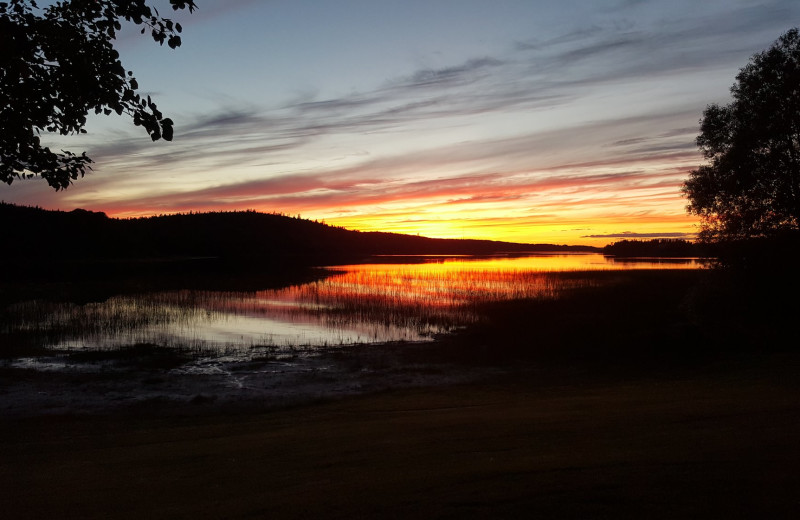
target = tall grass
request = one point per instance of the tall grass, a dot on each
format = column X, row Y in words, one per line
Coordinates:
column 359, row 304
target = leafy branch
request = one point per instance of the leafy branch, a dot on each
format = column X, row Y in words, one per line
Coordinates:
column 59, row 64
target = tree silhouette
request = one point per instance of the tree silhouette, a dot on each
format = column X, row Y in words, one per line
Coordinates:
column 56, row 65
column 751, row 186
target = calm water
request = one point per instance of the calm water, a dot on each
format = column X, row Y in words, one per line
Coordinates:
column 357, row 304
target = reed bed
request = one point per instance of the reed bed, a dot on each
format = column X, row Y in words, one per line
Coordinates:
column 357, row 305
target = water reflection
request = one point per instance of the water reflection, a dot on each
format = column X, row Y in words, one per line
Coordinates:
column 542, row 262
column 365, row 303
column 659, row 263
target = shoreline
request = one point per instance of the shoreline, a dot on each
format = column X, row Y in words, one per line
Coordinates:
column 58, row 385
column 705, row 441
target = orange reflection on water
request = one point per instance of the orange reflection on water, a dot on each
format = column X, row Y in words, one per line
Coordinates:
column 364, row 303
column 409, row 301
column 542, row 262
column 434, row 294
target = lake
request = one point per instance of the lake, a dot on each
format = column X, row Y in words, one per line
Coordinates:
column 392, row 299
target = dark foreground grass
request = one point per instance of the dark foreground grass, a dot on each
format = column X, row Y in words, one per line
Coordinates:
column 720, row 444
column 574, row 428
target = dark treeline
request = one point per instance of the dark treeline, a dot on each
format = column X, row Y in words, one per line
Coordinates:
column 50, row 240
column 658, row 247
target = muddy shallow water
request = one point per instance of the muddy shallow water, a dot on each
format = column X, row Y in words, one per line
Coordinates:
column 57, row 385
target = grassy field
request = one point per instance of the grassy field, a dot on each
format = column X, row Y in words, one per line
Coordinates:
column 719, row 444
column 617, row 402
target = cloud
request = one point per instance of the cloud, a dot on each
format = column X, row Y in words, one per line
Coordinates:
column 598, row 120
column 620, row 50
column 632, row 235
column 485, row 85
column 458, row 75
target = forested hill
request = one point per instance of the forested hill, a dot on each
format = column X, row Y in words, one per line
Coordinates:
column 53, row 237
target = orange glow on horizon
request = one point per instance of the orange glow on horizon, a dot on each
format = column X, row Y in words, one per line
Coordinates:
column 578, row 204
column 568, row 230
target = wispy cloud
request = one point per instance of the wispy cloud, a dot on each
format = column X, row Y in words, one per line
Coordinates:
column 592, row 122
column 642, row 236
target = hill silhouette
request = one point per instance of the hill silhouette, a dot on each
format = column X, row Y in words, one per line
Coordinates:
column 48, row 239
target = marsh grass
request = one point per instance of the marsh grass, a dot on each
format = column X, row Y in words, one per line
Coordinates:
column 430, row 302
column 355, row 304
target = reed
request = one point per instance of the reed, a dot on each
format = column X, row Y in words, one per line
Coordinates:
column 357, row 304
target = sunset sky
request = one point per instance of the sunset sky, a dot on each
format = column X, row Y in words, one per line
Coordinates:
column 568, row 121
